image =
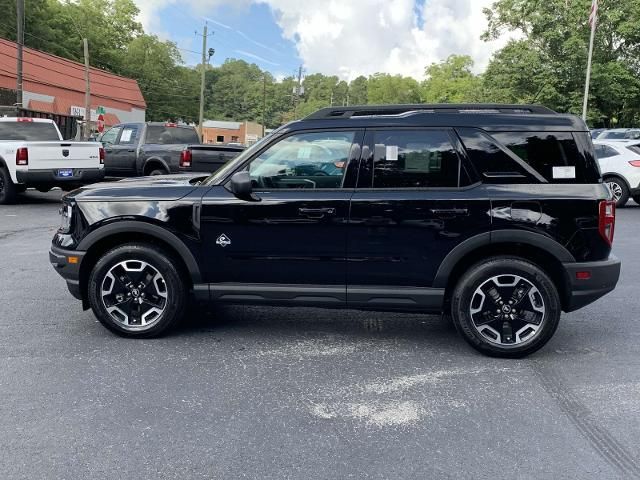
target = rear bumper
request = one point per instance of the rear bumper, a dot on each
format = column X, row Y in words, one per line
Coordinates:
column 604, row 277
column 50, row 177
column 59, row 258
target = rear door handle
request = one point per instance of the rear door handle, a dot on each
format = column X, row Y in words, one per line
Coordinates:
column 316, row 212
column 131, row 150
column 449, row 212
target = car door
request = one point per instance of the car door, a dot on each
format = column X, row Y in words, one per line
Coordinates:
column 109, row 140
column 123, row 151
column 288, row 243
column 414, row 203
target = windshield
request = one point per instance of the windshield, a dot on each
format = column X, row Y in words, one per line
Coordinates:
column 224, row 171
column 29, row 131
column 613, row 135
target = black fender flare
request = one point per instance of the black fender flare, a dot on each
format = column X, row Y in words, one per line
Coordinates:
column 150, row 229
column 155, row 160
column 496, row 237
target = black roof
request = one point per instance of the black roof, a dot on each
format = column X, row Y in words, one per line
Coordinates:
column 490, row 117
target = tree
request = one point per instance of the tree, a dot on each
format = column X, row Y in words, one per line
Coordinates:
column 555, row 53
column 383, row 88
column 358, row 94
column 451, row 81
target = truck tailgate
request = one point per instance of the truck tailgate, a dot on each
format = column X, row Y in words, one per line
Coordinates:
column 57, row 155
column 209, row 158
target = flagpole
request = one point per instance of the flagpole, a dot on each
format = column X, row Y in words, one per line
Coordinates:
column 586, row 84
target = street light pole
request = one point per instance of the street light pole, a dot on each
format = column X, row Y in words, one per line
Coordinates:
column 202, row 78
column 20, row 43
column 87, row 92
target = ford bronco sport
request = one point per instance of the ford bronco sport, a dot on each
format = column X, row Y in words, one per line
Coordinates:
column 496, row 214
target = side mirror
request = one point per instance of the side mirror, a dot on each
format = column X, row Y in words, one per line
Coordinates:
column 241, row 184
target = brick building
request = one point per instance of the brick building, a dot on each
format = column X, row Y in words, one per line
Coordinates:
column 56, row 85
column 246, row 133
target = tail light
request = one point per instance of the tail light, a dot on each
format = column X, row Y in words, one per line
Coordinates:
column 185, row 158
column 24, row 119
column 22, row 156
column 635, row 163
column 101, row 154
column 607, row 220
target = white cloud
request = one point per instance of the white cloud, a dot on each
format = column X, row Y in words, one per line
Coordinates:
column 360, row 37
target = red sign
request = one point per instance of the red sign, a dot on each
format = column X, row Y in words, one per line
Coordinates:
column 100, row 123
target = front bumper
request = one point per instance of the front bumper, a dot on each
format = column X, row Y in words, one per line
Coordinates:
column 603, row 279
column 69, row 269
column 81, row 176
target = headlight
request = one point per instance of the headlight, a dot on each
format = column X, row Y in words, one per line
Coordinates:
column 66, row 211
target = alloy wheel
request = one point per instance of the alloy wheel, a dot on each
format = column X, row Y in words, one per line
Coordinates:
column 616, row 189
column 507, row 310
column 135, row 294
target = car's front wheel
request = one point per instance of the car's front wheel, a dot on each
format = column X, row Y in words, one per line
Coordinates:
column 506, row 307
column 136, row 290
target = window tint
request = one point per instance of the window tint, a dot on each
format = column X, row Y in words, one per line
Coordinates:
column 168, row 135
column 634, row 148
column 554, row 155
column 308, row 160
column 415, row 159
column 129, row 135
column 605, row 151
column 111, row 135
column 494, row 165
column 29, row 131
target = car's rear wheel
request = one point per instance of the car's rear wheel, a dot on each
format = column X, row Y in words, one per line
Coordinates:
column 136, row 290
column 506, row 307
column 156, row 172
column 619, row 189
column 8, row 189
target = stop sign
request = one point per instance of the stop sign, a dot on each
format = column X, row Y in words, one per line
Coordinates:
column 100, row 123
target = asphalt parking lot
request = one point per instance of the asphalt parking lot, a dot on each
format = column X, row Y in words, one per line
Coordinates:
column 303, row 393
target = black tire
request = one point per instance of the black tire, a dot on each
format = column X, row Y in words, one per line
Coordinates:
column 156, row 172
column 636, row 198
column 481, row 274
column 618, row 187
column 175, row 289
column 43, row 189
column 8, row 189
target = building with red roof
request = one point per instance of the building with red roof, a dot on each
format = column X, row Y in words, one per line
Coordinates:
column 56, row 85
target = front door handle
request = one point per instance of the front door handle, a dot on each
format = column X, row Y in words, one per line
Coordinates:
column 449, row 212
column 316, row 212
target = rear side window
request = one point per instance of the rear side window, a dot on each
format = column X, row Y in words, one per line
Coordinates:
column 170, row 135
column 29, row 131
column 634, row 148
column 415, row 159
column 554, row 155
column 604, row 151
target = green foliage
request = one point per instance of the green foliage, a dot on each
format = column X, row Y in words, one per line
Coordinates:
column 383, row 88
column 451, row 81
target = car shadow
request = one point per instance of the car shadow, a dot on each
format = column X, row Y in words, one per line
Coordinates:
column 33, row 197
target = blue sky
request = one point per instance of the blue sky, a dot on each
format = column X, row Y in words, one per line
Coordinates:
column 340, row 37
column 250, row 34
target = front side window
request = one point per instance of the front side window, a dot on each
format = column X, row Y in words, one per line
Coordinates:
column 415, row 159
column 306, row 160
column 129, row 135
column 110, row 136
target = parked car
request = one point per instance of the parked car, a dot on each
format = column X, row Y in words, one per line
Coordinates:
column 495, row 214
column 33, row 154
column 595, row 132
column 619, row 134
column 620, row 166
column 154, row 148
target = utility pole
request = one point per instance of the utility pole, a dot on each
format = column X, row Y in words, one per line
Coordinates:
column 264, row 101
column 20, row 42
column 593, row 20
column 202, row 77
column 87, row 92
column 297, row 93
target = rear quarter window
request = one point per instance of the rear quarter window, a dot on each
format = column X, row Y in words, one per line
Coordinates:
column 554, row 155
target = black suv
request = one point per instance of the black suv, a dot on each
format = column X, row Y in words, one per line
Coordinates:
column 495, row 214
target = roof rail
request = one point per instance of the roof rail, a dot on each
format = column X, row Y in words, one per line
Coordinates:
column 389, row 110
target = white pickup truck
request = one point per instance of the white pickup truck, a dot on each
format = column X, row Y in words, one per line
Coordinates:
column 33, row 154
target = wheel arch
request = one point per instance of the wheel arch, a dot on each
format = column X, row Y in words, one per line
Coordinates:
column 617, row 175
column 543, row 251
column 149, row 163
column 109, row 236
